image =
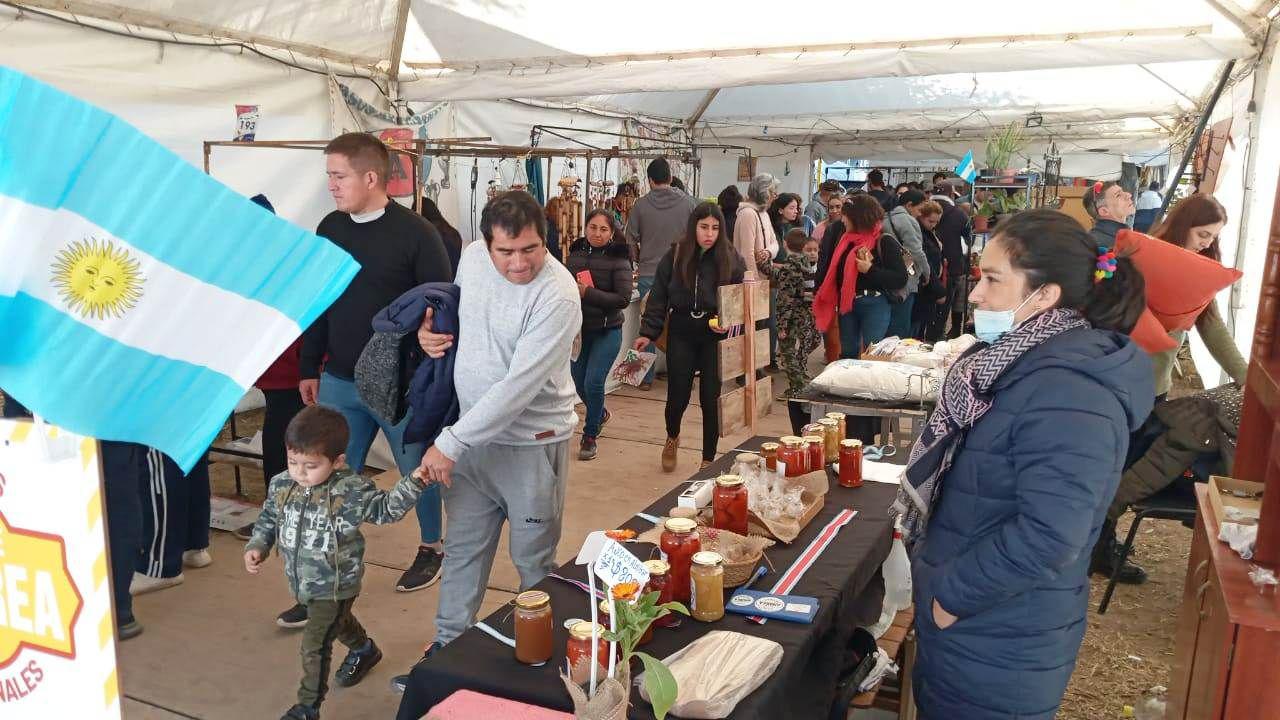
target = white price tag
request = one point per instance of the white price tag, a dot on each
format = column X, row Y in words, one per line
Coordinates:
column 617, row 565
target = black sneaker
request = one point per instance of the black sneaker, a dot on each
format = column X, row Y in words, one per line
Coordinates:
column 588, row 449
column 128, row 630
column 423, row 573
column 1106, row 556
column 358, row 664
column 400, row 682
column 244, row 532
column 294, row 617
column 301, row 712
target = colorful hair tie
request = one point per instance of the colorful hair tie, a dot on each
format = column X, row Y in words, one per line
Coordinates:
column 1106, row 265
column 1097, row 188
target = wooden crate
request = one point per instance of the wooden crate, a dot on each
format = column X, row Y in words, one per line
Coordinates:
column 1221, row 500
column 733, row 406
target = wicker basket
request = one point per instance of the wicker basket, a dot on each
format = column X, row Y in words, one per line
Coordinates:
column 747, row 552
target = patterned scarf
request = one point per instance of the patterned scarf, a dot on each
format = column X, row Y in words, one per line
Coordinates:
column 965, row 398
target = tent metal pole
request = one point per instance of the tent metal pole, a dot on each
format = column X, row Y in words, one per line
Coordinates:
column 1195, row 139
column 702, row 108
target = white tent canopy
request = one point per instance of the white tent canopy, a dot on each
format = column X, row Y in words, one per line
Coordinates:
column 885, row 82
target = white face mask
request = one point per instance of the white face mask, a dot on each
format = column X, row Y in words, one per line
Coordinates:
column 991, row 325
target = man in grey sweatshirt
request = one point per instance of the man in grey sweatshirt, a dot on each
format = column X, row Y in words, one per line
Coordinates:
column 657, row 221
column 506, row 458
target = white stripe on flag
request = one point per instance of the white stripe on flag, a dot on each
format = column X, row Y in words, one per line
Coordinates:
column 176, row 316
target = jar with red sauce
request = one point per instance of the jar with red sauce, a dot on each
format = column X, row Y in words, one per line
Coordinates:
column 679, row 542
column 815, row 447
column 659, row 582
column 792, row 453
column 851, row 463
column 578, row 651
column 729, row 504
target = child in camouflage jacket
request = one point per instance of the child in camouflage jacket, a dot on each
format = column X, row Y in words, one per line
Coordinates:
column 798, row 334
column 313, row 515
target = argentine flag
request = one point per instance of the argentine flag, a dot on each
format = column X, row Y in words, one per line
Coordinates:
column 139, row 298
column 967, row 170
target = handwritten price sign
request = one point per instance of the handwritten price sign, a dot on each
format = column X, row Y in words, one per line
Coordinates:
column 617, row 565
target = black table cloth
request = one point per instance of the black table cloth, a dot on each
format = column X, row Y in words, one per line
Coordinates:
column 845, row 578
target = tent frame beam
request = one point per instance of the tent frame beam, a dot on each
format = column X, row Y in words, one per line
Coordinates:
column 1251, row 25
column 702, row 108
column 1194, row 142
column 397, row 45
column 164, row 23
column 578, row 61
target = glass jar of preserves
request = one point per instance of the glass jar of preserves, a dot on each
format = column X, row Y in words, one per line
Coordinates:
column 679, row 542
column 578, row 651
column 830, row 439
column 812, row 428
column 769, row 451
column 707, row 575
column 533, row 627
column 746, row 464
column 793, row 455
column 843, row 421
column 729, row 504
column 659, row 582
column 851, row 463
column 815, row 446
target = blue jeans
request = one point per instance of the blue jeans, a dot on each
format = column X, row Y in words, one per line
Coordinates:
column 900, row 317
column 591, row 369
column 867, row 324
column 341, row 395
column 645, row 283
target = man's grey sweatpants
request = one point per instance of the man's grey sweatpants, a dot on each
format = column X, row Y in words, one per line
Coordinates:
column 524, row 485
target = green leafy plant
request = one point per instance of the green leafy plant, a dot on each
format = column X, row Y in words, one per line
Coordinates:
column 1003, row 144
column 634, row 618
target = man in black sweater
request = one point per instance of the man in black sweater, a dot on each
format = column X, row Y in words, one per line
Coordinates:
column 955, row 232
column 397, row 250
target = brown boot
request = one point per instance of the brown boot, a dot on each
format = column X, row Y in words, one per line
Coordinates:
column 669, row 454
column 705, row 464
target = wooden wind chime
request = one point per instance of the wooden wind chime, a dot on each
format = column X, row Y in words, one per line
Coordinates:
column 565, row 212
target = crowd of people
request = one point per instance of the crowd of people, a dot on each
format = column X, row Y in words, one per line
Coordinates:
column 1034, row 436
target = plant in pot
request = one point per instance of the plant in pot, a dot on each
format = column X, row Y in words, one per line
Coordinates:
column 1002, row 146
column 635, row 614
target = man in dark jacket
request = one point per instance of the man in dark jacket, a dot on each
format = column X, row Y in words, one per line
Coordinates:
column 1110, row 207
column 955, row 232
column 877, row 190
column 657, row 221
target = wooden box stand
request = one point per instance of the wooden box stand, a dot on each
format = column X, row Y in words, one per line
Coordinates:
column 1227, row 649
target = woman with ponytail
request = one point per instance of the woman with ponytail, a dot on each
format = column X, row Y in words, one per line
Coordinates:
column 1007, row 488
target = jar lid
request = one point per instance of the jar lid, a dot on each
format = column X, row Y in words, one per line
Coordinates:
column 680, row 525
column 657, row 567
column 706, row 557
column 829, row 422
column 836, row 416
column 812, row 438
column 604, row 607
column 851, row 443
column 532, row 600
column 789, row 439
column 729, row 480
column 582, row 631
column 769, row 447
column 747, row 458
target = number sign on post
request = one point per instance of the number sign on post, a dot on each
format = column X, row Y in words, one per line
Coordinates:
column 617, row 565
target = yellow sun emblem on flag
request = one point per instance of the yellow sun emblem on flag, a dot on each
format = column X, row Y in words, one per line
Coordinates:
column 96, row 279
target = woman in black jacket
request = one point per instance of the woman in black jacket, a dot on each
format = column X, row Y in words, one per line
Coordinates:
column 864, row 266
column 683, row 301
column 601, row 263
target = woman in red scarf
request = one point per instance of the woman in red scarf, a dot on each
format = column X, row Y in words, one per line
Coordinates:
column 865, row 267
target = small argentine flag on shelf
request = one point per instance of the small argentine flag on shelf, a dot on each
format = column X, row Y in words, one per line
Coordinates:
column 967, row 170
column 139, row 298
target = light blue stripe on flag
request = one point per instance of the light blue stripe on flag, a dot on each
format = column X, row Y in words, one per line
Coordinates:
column 77, row 373
column 967, row 170
column 57, row 151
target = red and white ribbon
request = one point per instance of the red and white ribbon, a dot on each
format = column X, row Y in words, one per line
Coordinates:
column 792, row 576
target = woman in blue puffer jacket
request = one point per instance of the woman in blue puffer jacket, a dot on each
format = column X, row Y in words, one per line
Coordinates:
column 1010, row 482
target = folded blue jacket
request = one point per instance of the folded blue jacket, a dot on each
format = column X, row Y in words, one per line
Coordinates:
column 429, row 392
